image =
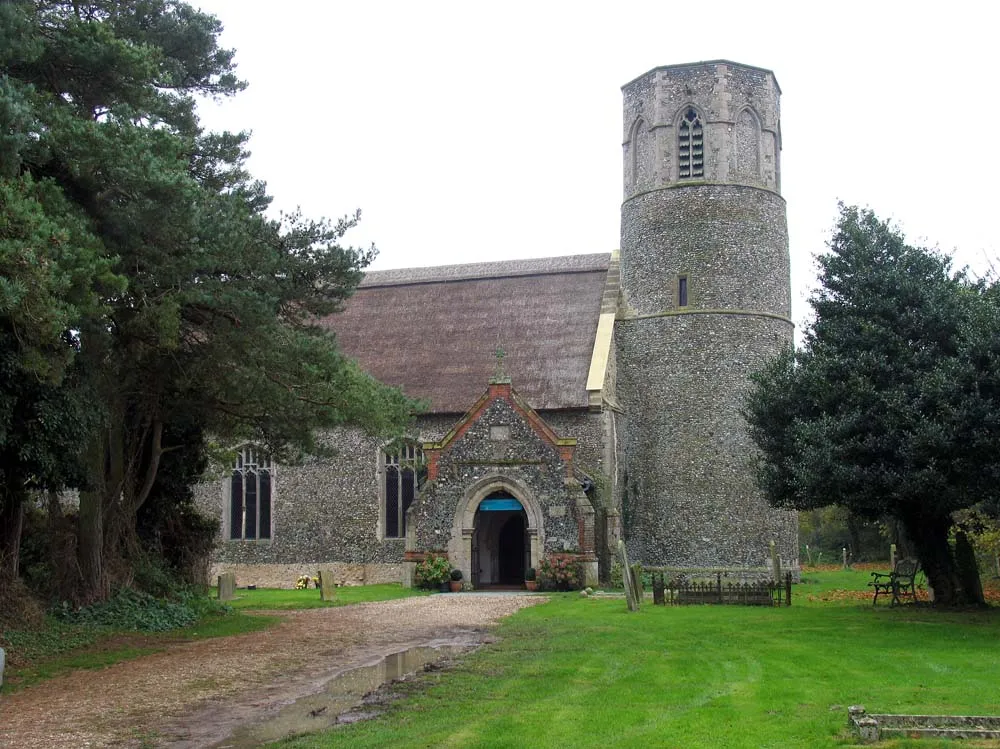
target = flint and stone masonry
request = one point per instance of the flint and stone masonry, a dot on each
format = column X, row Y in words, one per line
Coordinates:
column 705, row 301
column 614, row 412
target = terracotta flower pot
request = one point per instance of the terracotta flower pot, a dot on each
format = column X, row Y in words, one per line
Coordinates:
column 531, row 584
column 456, row 586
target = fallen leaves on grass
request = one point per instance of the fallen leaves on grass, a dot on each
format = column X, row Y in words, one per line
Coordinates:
column 857, row 595
column 991, row 592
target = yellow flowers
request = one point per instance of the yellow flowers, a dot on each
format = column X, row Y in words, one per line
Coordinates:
column 303, row 582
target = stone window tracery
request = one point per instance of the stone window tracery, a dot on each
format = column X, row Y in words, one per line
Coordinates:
column 403, row 468
column 690, row 146
column 250, row 490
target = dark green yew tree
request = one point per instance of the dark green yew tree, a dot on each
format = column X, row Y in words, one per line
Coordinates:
column 892, row 406
column 177, row 300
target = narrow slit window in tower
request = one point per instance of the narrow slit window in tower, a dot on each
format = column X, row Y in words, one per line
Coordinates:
column 682, row 291
column 690, row 146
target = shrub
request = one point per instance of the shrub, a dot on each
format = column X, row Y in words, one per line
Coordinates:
column 18, row 607
column 456, row 575
column 530, row 574
column 432, row 571
column 559, row 572
column 131, row 609
column 983, row 531
column 153, row 575
column 48, row 539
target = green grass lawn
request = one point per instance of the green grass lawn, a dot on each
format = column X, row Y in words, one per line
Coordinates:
column 274, row 599
column 586, row 673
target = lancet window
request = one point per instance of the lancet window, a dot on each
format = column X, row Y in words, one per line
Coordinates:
column 690, row 146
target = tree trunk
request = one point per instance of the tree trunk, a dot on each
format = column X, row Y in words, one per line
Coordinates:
column 854, row 524
column 11, row 521
column 123, row 464
column 898, row 536
column 104, row 469
column 929, row 537
column 968, row 570
column 90, row 546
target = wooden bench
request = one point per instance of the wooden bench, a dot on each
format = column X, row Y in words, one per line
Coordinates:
column 900, row 582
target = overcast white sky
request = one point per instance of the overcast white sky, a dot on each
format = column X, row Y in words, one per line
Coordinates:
column 470, row 131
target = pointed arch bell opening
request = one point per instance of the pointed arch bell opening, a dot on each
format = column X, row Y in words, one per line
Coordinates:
column 690, row 145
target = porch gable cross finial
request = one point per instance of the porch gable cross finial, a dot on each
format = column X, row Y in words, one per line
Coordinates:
column 500, row 376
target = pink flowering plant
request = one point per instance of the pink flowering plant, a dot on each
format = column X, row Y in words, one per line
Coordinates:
column 559, row 572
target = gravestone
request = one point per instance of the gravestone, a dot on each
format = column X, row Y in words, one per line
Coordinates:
column 227, row 586
column 659, row 599
column 892, row 556
column 3, row 660
column 631, row 594
column 326, row 585
column 637, row 579
column 775, row 563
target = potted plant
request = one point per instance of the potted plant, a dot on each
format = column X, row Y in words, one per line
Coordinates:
column 456, row 581
column 531, row 579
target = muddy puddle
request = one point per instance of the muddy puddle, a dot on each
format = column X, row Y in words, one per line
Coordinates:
column 312, row 699
column 340, row 694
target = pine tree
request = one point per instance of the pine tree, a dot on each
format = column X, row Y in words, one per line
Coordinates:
column 201, row 309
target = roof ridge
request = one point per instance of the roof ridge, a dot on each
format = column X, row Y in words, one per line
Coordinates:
column 599, row 261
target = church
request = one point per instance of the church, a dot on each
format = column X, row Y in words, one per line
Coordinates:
column 570, row 401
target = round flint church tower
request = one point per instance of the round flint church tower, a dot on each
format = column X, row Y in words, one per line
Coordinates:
column 705, row 301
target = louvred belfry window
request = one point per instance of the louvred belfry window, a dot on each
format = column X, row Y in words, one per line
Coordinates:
column 250, row 496
column 690, row 146
column 403, row 472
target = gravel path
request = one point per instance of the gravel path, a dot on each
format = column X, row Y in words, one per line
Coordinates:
column 167, row 698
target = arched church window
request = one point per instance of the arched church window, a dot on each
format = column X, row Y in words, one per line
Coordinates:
column 250, row 496
column 690, row 146
column 403, row 470
column 636, row 147
column 746, row 151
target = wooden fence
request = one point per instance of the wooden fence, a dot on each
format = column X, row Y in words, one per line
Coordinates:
column 678, row 591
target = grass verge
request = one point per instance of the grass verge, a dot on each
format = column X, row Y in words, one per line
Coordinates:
column 586, row 673
column 274, row 599
column 58, row 646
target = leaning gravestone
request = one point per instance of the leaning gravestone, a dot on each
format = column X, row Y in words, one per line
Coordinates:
column 3, row 660
column 631, row 594
column 775, row 564
column 227, row 586
column 326, row 585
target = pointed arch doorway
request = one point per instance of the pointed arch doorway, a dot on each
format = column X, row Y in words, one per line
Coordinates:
column 501, row 547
